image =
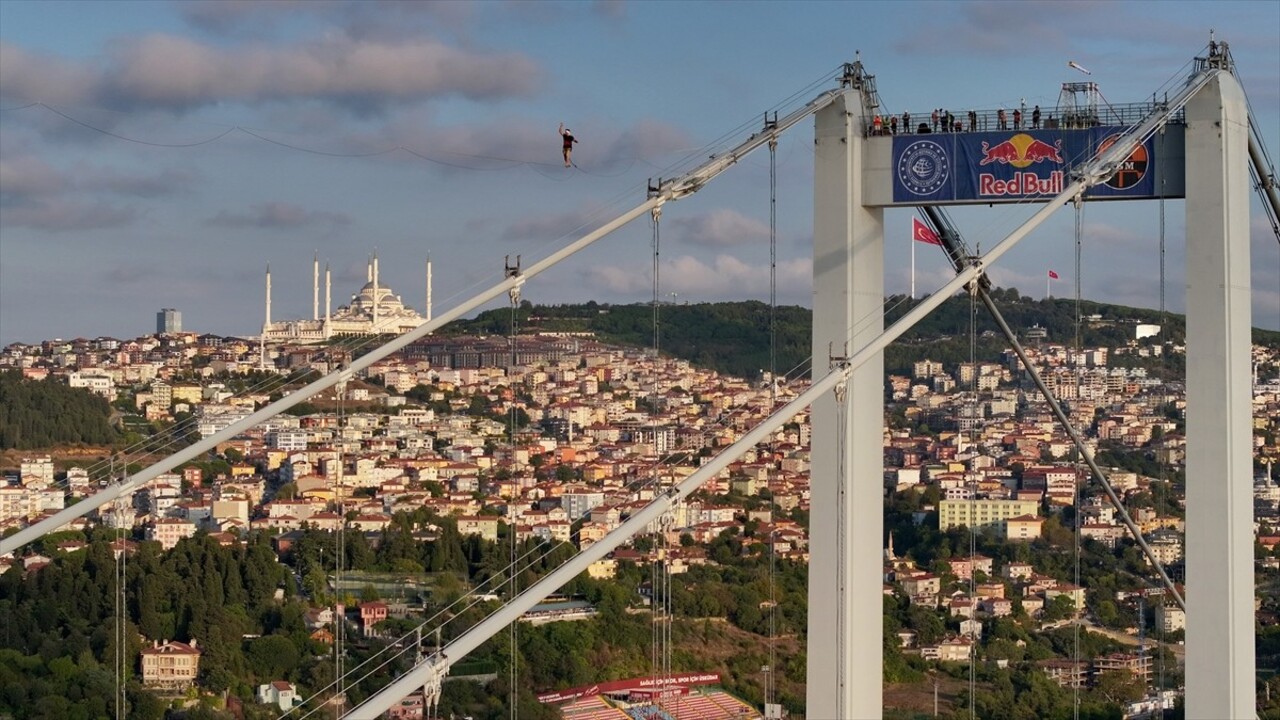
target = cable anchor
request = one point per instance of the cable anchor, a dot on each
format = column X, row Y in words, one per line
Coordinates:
column 513, row 272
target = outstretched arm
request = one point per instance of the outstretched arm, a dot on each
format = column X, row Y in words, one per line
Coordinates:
column 561, row 128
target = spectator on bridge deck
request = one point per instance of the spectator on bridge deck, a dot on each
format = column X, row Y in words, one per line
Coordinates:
column 1017, row 119
column 1004, row 125
column 877, row 125
column 973, row 120
column 1035, row 117
column 935, row 120
column 893, row 124
column 906, row 123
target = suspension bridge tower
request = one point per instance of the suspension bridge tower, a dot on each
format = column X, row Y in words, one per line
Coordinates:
column 857, row 173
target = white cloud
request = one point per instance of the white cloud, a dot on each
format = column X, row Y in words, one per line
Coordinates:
column 695, row 280
column 275, row 215
column 719, row 228
column 167, row 71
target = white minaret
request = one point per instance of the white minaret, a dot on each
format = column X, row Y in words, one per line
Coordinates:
column 328, row 300
column 315, row 286
column 375, row 293
column 428, row 287
column 266, row 324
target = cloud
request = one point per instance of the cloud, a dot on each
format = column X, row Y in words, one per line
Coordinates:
column 32, row 77
column 234, row 17
column 177, row 73
column 994, row 27
column 277, row 215
column 610, row 9
column 719, row 228
column 548, row 227
column 27, row 175
column 509, row 142
column 63, row 215
column 131, row 274
column 165, row 182
column 385, row 18
column 647, row 139
column 695, row 280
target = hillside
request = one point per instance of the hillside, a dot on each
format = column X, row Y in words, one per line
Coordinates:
column 45, row 413
column 733, row 337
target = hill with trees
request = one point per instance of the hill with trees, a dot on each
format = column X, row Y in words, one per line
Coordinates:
column 734, row 337
column 44, row 413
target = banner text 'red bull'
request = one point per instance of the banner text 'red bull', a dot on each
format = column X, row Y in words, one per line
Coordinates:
column 1010, row 165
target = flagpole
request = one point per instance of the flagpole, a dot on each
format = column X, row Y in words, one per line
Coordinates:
column 913, row 264
column 1047, row 279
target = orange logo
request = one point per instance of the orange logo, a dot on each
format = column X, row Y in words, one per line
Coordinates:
column 1131, row 171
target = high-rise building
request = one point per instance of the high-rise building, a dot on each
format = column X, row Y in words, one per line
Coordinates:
column 168, row 320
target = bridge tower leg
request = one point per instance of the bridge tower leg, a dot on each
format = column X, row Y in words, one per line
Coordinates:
column 1219, row 535
column 847, row 478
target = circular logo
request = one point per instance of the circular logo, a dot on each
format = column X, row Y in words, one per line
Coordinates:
column 1131, row 170
column 923, row 168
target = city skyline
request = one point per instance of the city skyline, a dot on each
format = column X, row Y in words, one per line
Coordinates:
column 162, row 155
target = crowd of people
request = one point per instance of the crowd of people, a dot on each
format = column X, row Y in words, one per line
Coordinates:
column 942, row 121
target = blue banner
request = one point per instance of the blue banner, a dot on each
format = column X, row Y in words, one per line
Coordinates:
column 1011, row 166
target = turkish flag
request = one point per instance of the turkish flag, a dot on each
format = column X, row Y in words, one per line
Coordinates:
column 1053, row 275
column 923, row 233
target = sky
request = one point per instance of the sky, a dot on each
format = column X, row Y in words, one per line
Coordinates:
column 161, row 155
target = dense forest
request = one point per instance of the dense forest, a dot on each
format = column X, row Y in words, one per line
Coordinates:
column 45, row 413
column 734, row 337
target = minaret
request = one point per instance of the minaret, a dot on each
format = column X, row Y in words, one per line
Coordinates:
column 315, row 286
column 266, row 324
column 428, row 287
column 375, row 293
column 328, row 299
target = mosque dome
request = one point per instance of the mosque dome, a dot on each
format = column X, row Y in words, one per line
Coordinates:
column 387, row 300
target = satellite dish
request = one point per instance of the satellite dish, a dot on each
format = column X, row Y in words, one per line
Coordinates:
column 1078, row 66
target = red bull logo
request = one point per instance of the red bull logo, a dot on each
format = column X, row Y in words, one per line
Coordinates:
column 1021, row 151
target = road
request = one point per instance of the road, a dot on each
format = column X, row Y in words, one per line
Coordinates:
column 1179, row 651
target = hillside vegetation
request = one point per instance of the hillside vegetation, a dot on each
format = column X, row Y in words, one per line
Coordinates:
column 45, row 413
column 734, row 337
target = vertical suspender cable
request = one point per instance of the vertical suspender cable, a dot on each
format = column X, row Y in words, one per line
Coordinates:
column 1164, row 329
column 769, row 682
column 973, row 494
column 1075, row 481
column 122, row 605
column 1162, row 187
column 513, row 528
column 339, row 549
column 656, row 590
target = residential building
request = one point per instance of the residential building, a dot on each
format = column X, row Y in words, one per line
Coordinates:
column 982, row 513
column 170, row 665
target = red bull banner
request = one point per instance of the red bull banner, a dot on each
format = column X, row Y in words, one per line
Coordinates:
column 1011, row 166
column 632, row 685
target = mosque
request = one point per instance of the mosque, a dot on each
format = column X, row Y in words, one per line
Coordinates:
column 375, row 310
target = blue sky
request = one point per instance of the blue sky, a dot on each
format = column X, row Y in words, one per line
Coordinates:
column 348, row 128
